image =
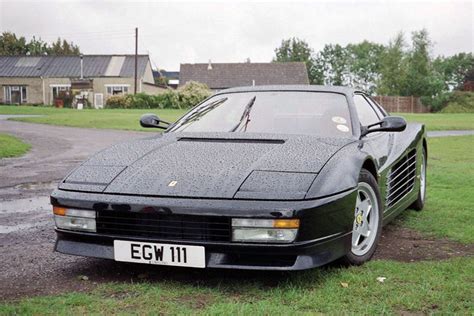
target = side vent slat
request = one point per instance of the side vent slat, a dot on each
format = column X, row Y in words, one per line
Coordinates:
column 401, row 179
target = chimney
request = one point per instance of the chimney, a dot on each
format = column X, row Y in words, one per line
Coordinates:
column 209, row 66
column 82, row 68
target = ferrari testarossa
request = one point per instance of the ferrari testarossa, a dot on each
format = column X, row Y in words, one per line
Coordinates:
column 269, row 177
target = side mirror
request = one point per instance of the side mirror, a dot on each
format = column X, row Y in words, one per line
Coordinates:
column 388, row 124
column 152, row 120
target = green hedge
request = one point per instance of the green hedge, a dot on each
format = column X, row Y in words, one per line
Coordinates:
column 460, row 102
column 185, row 97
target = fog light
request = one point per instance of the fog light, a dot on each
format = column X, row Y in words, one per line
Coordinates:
column 264, row 230
column 74, row 219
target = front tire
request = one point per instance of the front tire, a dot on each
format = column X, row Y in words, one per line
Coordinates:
column 367, row 225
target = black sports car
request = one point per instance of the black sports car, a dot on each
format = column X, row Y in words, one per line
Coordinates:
column 270, row 177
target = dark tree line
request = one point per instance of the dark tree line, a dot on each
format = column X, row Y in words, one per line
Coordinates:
column 11, row 45
column 401, row 67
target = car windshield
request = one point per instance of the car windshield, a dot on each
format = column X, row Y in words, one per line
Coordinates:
column 290, row 112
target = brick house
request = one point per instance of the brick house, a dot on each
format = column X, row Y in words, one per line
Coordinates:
column 44, row 79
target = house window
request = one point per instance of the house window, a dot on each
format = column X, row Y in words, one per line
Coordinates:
column 15, row 94
column 61, row 94
column 117, row 89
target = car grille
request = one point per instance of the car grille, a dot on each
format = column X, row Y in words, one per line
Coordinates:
column 401, row 179
column 164, row 226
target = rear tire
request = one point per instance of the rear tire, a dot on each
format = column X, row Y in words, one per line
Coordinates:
column 368, row 216
column 420, row 201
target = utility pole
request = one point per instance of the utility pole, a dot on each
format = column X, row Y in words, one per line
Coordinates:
column 136, row 59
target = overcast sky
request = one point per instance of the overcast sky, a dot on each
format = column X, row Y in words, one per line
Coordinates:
column 231, row 31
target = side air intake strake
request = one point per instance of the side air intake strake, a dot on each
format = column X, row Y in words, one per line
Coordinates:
column 401, row 179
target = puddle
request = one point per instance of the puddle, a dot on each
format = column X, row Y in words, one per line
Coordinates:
column 15, row 228
column 33, row 204
column 8, row 116
column 37, row 186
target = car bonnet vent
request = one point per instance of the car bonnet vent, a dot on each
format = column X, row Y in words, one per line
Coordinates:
column 232, row 140
column 401, row 179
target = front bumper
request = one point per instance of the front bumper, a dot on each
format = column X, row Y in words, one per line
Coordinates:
column 324, row 235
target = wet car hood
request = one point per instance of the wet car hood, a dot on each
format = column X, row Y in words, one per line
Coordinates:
column 208, row 165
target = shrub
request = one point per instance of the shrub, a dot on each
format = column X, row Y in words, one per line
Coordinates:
column 460, row 102
column 185, row 97
column 191, row 94
column 118, row 102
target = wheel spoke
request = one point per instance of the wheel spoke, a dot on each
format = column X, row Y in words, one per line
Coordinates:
column 364, row 206
column 355, row 238
column 364, row 229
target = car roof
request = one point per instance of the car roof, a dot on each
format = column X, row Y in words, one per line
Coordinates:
column 312, row 88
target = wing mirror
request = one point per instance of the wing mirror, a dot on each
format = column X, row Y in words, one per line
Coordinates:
column 388, row 124
column 152, row 120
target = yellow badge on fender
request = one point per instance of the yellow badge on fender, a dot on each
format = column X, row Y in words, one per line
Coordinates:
column 172, row 183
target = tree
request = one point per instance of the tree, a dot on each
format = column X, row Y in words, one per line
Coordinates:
column 295, row 49
column 332, row 61
column 37, row 47
column 393, row 67
column 421, row 80
column 454, row 69
column 63, row 47
column 364, row 63
column 11, row 45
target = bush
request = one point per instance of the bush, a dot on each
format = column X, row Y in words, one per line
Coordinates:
column 436, row 103
column 460, row 102
column 191, row 94
column 118, row 102
column 185, row 97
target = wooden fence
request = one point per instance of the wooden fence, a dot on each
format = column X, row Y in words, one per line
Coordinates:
column 401, row 104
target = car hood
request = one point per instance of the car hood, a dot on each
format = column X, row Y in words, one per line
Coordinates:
column 208, row 165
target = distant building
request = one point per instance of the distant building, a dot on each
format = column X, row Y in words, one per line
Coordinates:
column 218, row 76
column 170, row 77
column 53, row 79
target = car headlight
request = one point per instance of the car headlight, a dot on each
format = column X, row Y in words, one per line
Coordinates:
column 264, row 230
column 73, row 219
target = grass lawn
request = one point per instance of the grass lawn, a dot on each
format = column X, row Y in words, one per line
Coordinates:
column 443, row 287
column 442, row 121
column 128, row 119
column 450, row 201
column 113, row 119
column 11, row 146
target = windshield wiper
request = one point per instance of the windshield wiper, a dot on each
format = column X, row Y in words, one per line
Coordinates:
column 246, row 115
column 200, row 112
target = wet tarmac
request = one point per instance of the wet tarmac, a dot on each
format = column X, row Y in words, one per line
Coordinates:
column 28, row 264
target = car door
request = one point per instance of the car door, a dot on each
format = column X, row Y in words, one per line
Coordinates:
column 380, row 143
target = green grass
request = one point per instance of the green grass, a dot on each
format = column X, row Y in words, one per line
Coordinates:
column 111, row 119
column 442, row 121
column 450, row 200
column 427, row 287
column 128, row 119
column 12, row 147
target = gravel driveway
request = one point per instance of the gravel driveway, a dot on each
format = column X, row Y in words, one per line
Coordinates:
column 30, row 267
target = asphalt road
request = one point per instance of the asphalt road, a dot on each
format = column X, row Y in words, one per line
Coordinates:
column 28, row 264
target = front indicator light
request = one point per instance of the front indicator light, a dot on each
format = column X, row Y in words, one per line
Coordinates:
column 74, row 219
column 264, row 230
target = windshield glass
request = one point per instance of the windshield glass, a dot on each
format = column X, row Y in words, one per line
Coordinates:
column 290, row 112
